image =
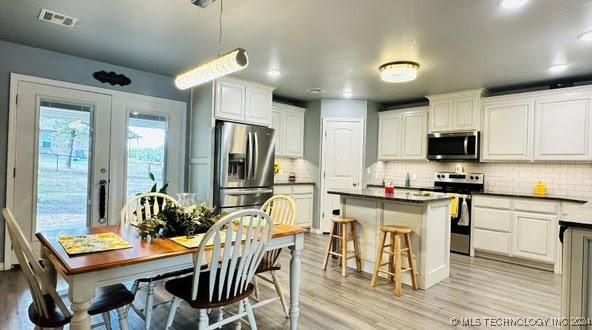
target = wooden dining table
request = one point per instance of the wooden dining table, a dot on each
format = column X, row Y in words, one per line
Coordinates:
column 146, row 258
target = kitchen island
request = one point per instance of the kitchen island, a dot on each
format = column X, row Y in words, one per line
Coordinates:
column 428, row 216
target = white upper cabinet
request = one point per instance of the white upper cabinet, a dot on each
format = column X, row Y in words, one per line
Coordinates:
column 258, row 104
column 507, row 130
column 441, row 115
column 562, row 127
column 230, row 99
column 415, row 132
column 243, row 101
column 549, row 125
column 288, row 122
column 459, row 111
column 402, row 134
column 389, row 134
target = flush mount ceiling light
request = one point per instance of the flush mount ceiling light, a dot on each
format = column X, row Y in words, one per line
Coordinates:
column 586, row 36
column 556, row 68
column 512, row 4
column 274, row 73
column 348, row 94
column 398, row 72
column 233, row 61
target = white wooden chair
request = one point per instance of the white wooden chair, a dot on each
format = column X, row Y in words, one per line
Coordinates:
column 282, row 210
column 48, row 310
column 224, row 268
column 136, row 210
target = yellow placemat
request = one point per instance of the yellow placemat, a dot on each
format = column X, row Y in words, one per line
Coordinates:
column 92, row 243
column 193, row 241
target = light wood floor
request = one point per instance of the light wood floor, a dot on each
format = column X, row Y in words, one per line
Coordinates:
column 476, row 288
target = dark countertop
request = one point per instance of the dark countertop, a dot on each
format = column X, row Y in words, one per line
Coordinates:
column 545, row 197
column 396, row 197
column 580, row 217
column 285, row 183
column 432, row 188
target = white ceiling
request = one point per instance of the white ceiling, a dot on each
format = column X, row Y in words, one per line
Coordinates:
column 335, row 45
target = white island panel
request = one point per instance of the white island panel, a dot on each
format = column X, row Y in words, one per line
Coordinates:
column 428, row 218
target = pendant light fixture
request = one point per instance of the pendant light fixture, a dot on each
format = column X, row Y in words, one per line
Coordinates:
column 224, row 64
column 398, row 72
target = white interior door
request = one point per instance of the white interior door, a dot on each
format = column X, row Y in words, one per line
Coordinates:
column 343, row 155
column 77, row 155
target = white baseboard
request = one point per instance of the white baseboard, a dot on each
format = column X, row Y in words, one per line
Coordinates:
column 316, row 231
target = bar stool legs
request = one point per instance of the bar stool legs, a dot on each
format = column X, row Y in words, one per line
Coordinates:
column 341, row 249
column 394, row 267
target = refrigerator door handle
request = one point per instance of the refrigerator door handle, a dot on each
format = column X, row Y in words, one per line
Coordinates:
column 249, row 157
column 256, row 155
column 239, row 192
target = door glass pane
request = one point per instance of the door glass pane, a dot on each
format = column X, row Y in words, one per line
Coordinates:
column 146, row 152
column 63, row 166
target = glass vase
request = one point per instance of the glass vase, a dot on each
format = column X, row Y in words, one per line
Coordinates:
column 186, row 199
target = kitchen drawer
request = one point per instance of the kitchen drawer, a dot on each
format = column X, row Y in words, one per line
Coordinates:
column 282, row 190
column 491, row 241
column 293, row 189
column 302, row 189
column 492, row 219
column 494, row 202
column 536, row 206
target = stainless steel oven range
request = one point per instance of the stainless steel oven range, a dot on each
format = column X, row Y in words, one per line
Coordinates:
column 461, row 184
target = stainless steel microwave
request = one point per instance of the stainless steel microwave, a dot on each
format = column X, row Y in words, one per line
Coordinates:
column 453, row 145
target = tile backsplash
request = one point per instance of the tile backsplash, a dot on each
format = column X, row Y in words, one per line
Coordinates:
column 298, row 166
column 561, row 179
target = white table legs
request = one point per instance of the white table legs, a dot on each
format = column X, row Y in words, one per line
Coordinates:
column 81, row 295
column 295, row 250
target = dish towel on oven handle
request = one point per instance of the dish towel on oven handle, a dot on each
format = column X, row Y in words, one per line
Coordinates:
column 464, row 214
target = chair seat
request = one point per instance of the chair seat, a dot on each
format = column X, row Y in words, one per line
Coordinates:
column 181, row 287
column 106, row 299
column 267, row 265
column 167, row 275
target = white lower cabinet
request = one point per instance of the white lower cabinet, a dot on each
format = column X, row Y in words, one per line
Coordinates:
column 534, row 235
column 521, row 228
column 492, row 222
column 303, row 195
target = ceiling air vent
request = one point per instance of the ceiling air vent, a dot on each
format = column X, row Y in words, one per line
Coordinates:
column 316, row 90
column 57, row 18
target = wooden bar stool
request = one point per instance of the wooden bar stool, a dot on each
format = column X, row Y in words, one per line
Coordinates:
column 394, row 252
column 341, row 250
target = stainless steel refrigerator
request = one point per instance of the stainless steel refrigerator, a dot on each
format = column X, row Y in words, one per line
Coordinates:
column 244, row 166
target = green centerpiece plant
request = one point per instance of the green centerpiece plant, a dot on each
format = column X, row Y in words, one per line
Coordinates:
column 175, row 220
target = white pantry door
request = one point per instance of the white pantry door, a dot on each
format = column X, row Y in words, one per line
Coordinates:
column 342, row 151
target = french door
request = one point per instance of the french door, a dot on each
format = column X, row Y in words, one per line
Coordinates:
column 77, row 155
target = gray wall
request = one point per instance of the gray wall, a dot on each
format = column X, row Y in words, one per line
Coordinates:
column 46, row 64
column 312, row 151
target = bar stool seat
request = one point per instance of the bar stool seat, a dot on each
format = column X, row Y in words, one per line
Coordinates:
column 341, row 250
column 394, row 252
